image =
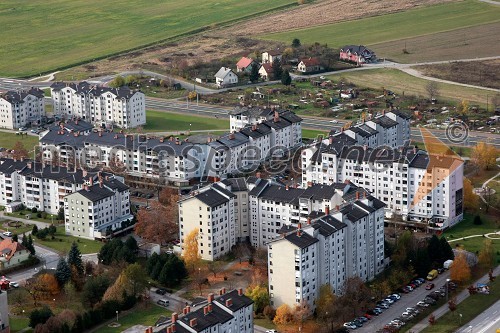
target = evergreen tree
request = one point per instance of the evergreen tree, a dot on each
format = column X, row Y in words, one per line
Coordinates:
column 254, row 73
column 277, row 69
column 60, row 214
column 24, row 241
column 131, row 244
column 155, row 274
column 15, row 238
column 152, row 261
column 63, row 272
column 75, row 258
column 296, row 42
column 422, row 262
column 34, row 230
column 286, row 79
column 477, row 220
column 30, row 246
column 446, row 250
column 434, row 249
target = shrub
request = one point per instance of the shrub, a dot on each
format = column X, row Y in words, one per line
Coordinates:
column 477, row 220
column 43, row 215
column 34, row 210
column 39, row 215
column 40, row 316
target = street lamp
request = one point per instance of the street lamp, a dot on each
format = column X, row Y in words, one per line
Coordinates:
column 447, row 281
column 116, row 315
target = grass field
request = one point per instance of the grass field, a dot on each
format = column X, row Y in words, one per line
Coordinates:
column 312, row 134
column 8, row 140
column 157, row 121
column 17, row 324
column 62, row 243
column 383, row 28
column 400, row 82
column 41, row 36
column 140, row 315
column 469, row 308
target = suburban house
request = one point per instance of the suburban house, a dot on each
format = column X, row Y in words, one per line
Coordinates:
column 12, row 253
column 245, row 64
column 271, row 56
column 20, row 108
column 225, row 77
column 309, row 65
column 266, row 71
column 358, row 54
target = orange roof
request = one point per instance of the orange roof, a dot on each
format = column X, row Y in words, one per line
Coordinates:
column 311, row 62
column 8, row 248
column 244, row 62
column 268, row 67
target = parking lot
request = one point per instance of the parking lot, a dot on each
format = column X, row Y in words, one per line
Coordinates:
column 406, row 301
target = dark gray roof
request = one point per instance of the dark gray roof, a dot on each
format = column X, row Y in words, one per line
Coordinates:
column 204, row 321
column 328, row 225
column 18, row 96
column 385, row 121
column 279, row 124
column 96, row 193
column 287, row 228
column 8, row 166
column 420, row 161
column 95, row 90
column 249, row 111
column 291, row 117
column 353, row 213
column 359, row 49
column 280, row 193
column 115, row 184
column 302, row 241
column 237, row 184
column 238, row 301
column 73, row 126
column 377, row 204
column 223, row 191
column 237, row 140
column 258, row 131
column 211, row 198
column 320, row 192
column 401, row 114
column 364, row 206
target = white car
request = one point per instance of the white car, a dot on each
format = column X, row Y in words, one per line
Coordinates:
column 334, row 121
column 271, row 331
column 14, row 285
column 8, row 234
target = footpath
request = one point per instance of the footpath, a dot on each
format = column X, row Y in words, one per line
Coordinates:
column 419, row 327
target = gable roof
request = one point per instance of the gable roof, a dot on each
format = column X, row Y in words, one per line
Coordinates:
column 302, row 241
column 238, row 301
column 310, row 62
column 273, row 52
column 95, row 192
column 223, row 72
column 14, row 97
column 211, row 198
column 268, row 67
column 244, row 62
column 8, row 248
column 358, row 49
column 95, row 90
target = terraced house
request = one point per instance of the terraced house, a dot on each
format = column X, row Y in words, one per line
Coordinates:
column 21, row 108
column 99, row 105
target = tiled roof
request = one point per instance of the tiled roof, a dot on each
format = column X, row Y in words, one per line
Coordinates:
column 8, row 248
column 356, row 49
column 244, row 62
column 310, row 61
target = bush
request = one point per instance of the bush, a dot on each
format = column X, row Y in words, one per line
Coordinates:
column 34, row 210
column 39, row 215
column 477, row 220
column 40, row 316
column 269, row 312
column 43, row 215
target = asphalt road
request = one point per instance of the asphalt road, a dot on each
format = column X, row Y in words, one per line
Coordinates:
column 406, row 301
column 486, row 322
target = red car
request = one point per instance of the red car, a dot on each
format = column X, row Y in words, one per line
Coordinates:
column 429, row 286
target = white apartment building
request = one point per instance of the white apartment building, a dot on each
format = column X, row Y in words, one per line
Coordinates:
column 210, row 210
column 229, row 312
column 20, row 108
column 95, row 211
column 327, row 250
column 99, row 105
column 177, row 160
column 410, row 182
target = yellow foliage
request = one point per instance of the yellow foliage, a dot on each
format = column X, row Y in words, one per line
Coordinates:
column 283, row 316
column 460, row 270
column 471, row 199
column 484, row 155
column 191, row 254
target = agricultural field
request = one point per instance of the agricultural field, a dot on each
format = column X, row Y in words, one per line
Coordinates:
column 400, row 82
column 396, row 26
column 479, row 73
column 41, row 36
column 461, row 43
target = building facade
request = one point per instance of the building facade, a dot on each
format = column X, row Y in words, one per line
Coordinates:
column 21, row 108
column 99, row 105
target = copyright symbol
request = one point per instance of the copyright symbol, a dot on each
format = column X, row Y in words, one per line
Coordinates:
column 457, row 132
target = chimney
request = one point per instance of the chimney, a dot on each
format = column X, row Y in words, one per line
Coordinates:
column 205, row 310
column 330, row 140
column 286, row 187
column 276, row 116
column 161, row 140
column 254, row 127
column 86, row 187
column 210, row 308
column 308, row 221
column 175, row 316
column 223, row 291
column 258, row 175
column 357, row 195
column 327, row 210
column 100, row 182
column 229, row 302
column 184, row 311
column 414, row 150
column 188, row 308
column 299, row 230
column 107, row 178
column 91, row 181
column 309, row 184
column 231, row 136
column 337, row 208
column 364, row 194
column 240, row 291
column 192, row 322
column 173, row 328
column 210, row 298
column 169, row 329
column 29, row 165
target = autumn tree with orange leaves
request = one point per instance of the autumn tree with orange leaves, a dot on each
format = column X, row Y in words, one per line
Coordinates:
column 460, row 270
column 471, row 199
column 159, row 222
column 19, row 152
column 484, row 155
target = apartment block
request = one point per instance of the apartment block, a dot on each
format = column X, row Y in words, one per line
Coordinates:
column 227, row 312
column 21, row 108
column 102, row 106
column 98, row 209
column 176, row 160
column 328, row 249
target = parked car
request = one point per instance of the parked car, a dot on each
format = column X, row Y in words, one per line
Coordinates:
column 429, row 286
column 397, row 296
column 389, row 301
column 368, row 316
column 362, row 319
column 14, row 285
column 163, row 302
column 350, row 325
column 423, row 304
column 430, row 300
column 7, row 233
column 23, row 129
column 271, row 331
column 161, row 291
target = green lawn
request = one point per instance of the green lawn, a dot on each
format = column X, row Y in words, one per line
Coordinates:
column 44, row 35
column 469, row 308
column 33, row 216
column 264, row 322
column 138, row 316
column 62, row 242
column 165, row 122
column 16, row 230
column 8, row 140
column 312, row 134
column 383, row 28
column 18, row 323
column 401, row 82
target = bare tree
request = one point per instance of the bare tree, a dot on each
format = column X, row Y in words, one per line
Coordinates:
column 432, row 89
